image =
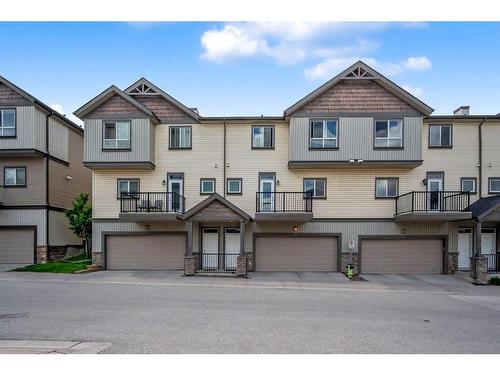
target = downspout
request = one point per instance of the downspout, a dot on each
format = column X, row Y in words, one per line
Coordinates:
column 480, row 184
column 47, row 200
column 224, row 166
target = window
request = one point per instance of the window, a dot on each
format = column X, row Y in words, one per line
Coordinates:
column 128, row 187
column 494, row 185
column 234, row 185
column 439, row 135
column 207, row 185
column 7, row 122
column 180, row 137
column 323, row 134
column 316, row 187
column 14, row 176
column 388, row 133
column 386, row 187
column 468, row 184
column 262, row 137
column 116, row 135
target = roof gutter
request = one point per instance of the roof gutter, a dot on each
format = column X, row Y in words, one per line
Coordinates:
column 47, row 195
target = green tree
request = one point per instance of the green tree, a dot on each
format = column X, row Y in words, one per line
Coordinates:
column 80, row 219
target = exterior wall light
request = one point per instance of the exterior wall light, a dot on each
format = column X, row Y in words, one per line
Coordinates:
column 295, row 228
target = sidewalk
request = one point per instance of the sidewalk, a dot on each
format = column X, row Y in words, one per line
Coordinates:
column 51, row 347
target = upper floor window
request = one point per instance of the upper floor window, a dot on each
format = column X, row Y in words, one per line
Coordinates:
column 323, row 134
column 468, row 184
column 316, row 187
column 14, row 176
column 234, row 186
column 386, row 187
column 494, row 185
column 440, row 136
column 180, row 137
column 262, row 136
column 128, row 186
column 7, row 122
column 116, row 135
column 388, row 133
column 207, row 186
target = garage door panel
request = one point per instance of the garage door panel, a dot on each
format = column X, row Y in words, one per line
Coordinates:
column 17, row 246
column 149, row 252
column 401, row 256
column 296, row 254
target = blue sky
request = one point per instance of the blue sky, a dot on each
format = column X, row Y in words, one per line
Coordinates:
column 251, row 68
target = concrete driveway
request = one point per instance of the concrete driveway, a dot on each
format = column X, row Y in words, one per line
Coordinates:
column 7, row 267
column 163, row 312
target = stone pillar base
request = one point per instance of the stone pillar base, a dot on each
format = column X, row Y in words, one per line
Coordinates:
column 42, row 254
column 345, row 258
column 452, row 263
column 189, row 265
column 241, row 266
column 97, row 260
column 481, row 264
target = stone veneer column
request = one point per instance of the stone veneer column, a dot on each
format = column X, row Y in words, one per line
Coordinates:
column 452, row 263
column 97, row 259
column 42, row 254
column 241, row 266
column 189, row 265
column 345, row 258
column 481, row 264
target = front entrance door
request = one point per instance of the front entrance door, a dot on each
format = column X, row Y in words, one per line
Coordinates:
column 464, row 248
column 488, row 241
column 210, row 251
column 434, row 186
column 231, row 248
column 175, row 189
column 266, row 188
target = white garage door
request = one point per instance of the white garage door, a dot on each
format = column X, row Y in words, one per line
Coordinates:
column 296, row 254
column 17, row 246
column 145, row 252
column 402, row 256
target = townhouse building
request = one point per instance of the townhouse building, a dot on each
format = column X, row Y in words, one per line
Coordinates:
column 41, row 172
column 357, row 171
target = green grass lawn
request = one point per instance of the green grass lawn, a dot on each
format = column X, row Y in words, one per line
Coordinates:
column 54, row 267
column 78, row 258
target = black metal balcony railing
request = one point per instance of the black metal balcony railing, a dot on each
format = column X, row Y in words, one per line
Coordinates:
column 169, row 202
column 433, row 201
column 493, row 261
column 283, row 202
column 218, row 262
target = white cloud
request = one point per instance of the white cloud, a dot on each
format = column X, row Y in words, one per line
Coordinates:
column 417, row 91
column 332, row 66
column 59, row 108
column 284, row 42
column 417, row 63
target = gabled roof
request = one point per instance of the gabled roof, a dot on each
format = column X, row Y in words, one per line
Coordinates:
column 145, row 87
column 484, row 206
column 212, row 198
column 106, row 95
column 360, row 70
column 39, row 103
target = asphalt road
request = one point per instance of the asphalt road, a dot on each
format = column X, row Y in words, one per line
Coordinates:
column 141, row 316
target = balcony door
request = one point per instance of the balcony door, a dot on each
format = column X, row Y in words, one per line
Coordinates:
column 267, row 183
column 175, row 189
column 434, row 189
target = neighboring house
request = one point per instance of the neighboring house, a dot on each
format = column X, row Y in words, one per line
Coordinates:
column 356, row 171
column 41, row 172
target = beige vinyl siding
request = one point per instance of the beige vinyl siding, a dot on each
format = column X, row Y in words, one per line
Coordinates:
column 26, row 217
column 491, row 152
column 355, row 140
column 140, row 138
column 62, row 191
column 58, row 139
column 30, row 130
column 34, row 192
column 59, row 232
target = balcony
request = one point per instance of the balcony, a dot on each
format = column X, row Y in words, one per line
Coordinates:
column 433, row 206
column 151, row 206
column 284, row 206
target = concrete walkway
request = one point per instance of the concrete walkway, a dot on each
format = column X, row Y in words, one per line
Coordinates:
column 51, row 347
